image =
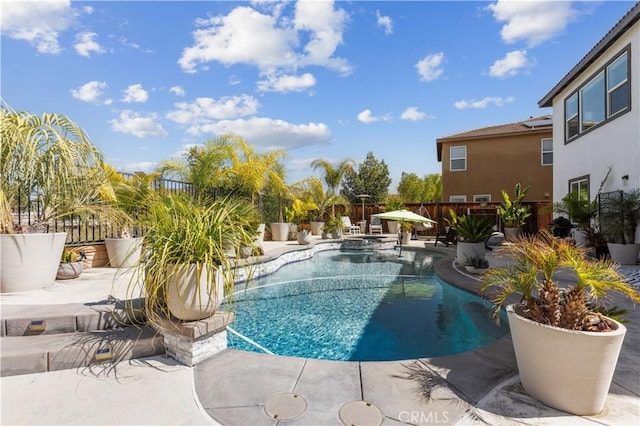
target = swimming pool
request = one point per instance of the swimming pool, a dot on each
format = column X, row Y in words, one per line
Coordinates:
column 361, row 306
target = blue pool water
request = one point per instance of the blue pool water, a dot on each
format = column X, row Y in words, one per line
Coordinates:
column 361, row 306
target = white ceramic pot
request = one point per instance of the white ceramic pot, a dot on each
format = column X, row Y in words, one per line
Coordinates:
column 190, row 298
column 68, row 271
column 316, row 227
column 465, row 251
column 393, row 226
column 566, row 369
column 624, row 254
column 304, row 237
column 280, row 231
column 406, row 238
column 29, row 261
column 580, row 238
column 123, row 252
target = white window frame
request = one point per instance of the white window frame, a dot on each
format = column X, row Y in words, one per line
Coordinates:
column 482, row 198
column 457, row 198
column 543, row 151
column 578, row 96
column 617, row 86
column 452, row 158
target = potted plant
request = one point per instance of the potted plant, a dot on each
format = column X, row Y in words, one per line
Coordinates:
column 512, row 212
column 619, row 220
column 50, row 172
column 333, row 227
column 566, row 353
column 132, row 195
column 477, row 264
column 71, row 264
column 393, row 204
column 581, row 212
column 407, row 231
column 473, row 231
column 186, row 267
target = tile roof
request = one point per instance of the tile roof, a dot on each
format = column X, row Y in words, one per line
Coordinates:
column 626, row 22
column 532, row 123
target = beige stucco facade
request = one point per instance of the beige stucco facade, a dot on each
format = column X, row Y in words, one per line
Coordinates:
column 495, row 162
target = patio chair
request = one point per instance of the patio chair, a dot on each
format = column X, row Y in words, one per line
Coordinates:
column 347, row 226
column 448, row 238
column 375, row 227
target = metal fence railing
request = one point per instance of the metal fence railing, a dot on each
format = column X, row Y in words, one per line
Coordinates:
column 82, row 230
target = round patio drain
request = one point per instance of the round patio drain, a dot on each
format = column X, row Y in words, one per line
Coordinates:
column 285, row 406
column 357, row 413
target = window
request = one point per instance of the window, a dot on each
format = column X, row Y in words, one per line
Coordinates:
column 547, row 152
column 592, row 103
column 571, row 112
column 580, row 185
column 482, row 198
column 457, row 198
column 458, row 156
column 604, row 96
column 618, row 85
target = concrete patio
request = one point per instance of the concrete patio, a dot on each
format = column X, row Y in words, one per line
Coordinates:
column 243, row 388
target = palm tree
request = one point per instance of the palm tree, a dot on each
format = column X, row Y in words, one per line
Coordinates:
column 333, row 175
column 313, row 190
column 51, row 159
column 536, row 259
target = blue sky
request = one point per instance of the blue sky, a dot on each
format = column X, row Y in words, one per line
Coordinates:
column 319, row 79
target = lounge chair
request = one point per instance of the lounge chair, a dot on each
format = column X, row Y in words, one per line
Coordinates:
column 375, row 227
column 347, row 226
column 448, row 238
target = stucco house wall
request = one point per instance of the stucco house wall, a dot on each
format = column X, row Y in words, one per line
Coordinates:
column 615, row 143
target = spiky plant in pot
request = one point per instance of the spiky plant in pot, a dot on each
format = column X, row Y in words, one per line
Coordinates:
column 566, row 351
column 535, row 261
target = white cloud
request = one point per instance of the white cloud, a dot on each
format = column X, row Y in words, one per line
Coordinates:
column 40, row 23
column 206, row 110
column 287, row 83
column 269, row 42
column 143, row 166
column 430, row 67
column 135, row 93
column 483, row 103
column 512, row 63
column 85, row 44
column 89, row 92
column 268, row 133
column 177, row 90
column 532, row 21
column 411, row 113
column 385, row 22
column 138, row 124
column 367, row 117
column 88, row 10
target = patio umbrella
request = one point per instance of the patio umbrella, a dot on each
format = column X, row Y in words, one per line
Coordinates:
column 403, row 216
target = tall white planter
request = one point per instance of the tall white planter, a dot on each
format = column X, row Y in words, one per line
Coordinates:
column 190, row 298
column 280, row 231
column 29, row 261
column 624, row 254
column 465, row 251
column 316, row 227
column 393, row 226
column 566, row 369
column 123, row 252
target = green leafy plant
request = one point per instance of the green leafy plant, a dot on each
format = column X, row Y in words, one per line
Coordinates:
column 478, row 262
column 620, row 217
column 513, row 213
column 472, row 228
column 51, row 160
column 70, row 255
column 182, row 232
column 536, row 258
column 579, row 210
column 406, row 226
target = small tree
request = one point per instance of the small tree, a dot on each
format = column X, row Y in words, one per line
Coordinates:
column 372, row 178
